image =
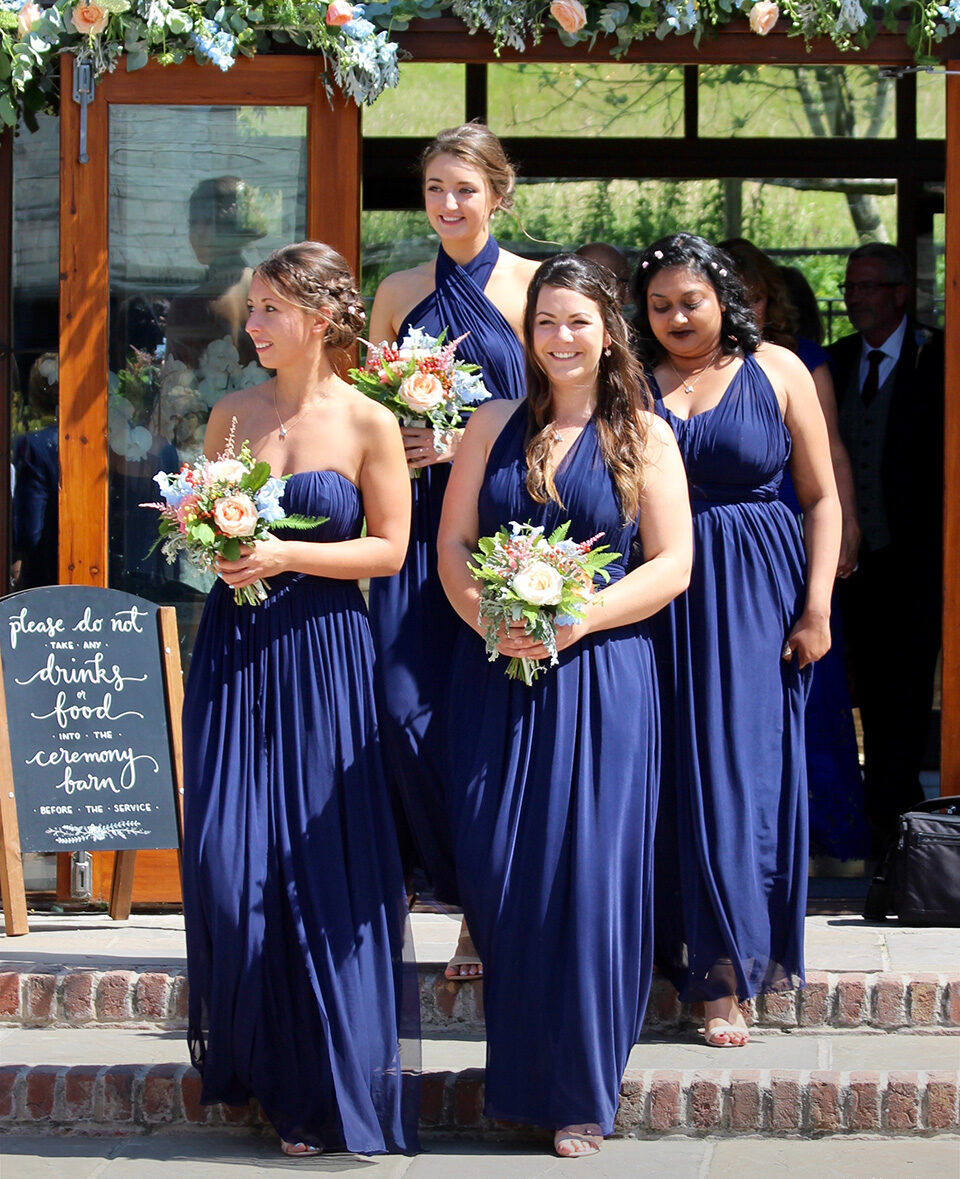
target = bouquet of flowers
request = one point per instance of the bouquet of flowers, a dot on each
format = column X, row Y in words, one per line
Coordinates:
column 212, row 508
column 421, row 383
column 545, row 581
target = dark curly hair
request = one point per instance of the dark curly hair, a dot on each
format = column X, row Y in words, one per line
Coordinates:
column 621, row 388
column 738, row 328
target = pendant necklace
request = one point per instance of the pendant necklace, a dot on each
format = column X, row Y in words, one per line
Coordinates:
column 285, row 430
column 688, row 384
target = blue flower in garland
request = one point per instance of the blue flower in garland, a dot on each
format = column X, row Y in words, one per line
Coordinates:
column 950, row 15
column 214, row 42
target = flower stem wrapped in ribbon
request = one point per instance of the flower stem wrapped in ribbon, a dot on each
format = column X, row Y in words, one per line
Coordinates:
column 420, row 382
column 543, row 581
column 212, row 508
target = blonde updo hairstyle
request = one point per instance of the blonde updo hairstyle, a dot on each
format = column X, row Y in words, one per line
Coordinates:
column 317, row 279
column 475, row 144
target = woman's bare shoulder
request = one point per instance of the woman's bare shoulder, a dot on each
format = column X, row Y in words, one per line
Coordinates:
column 523, row 268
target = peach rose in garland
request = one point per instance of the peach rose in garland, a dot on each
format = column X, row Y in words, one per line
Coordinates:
column 570, row 15
column 539, row 584
column 763, row 16
column 339, row 13
column 90, row 19
column 421, row 391
column 28, row 17
column 236, row 515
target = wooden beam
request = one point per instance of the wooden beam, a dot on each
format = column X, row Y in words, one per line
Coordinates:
column 475, row 96
column 84, row 297
column 269, row 80
column 446, row 39
column 333, row 185
column 950, row 704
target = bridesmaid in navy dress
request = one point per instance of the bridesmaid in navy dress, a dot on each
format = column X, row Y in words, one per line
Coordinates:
column 838, row 821
column 474, row 287
column 734, row 652
column 553, row 788
column 293, row 889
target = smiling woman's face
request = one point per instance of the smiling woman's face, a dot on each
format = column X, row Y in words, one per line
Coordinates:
column 457, row 198
column 685, row 313
column 568, row 336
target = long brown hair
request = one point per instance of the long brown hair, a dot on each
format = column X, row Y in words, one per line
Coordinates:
column 621, row 388
column 761, row 276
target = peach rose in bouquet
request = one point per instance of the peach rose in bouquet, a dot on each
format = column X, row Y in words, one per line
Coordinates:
column 422, row 392
column 236, row 515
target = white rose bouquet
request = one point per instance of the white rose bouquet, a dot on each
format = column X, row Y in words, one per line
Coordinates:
column 421, row 383
column 546, row 581
column 212, row 508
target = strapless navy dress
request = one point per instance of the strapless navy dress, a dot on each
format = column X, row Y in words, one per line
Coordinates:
column 553, row 793
column 731, row 845
column 413, row 624
column 293, row 891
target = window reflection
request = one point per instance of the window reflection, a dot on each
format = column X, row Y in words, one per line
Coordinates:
column 198, row 197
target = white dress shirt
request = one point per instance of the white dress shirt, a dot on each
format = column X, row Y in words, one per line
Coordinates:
column 891, row 349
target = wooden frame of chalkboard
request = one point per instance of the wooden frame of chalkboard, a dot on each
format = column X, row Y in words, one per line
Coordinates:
column 91, row 751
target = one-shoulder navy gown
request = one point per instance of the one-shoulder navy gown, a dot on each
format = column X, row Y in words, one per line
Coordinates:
column 731, row 846
column 293, row 891
column 413, row 624
column 553, row 792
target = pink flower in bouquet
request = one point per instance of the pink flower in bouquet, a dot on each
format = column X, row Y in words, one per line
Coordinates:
column 763, row 16
column 570, row 15
column 186, row 511
column 339, row 13
column 539, row 584
column 422, row 391
column 236, row 515
column 229, row 470
column 28, row 17
column 89, row 18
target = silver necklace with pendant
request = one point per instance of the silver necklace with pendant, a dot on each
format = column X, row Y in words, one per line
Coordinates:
column 688, row 384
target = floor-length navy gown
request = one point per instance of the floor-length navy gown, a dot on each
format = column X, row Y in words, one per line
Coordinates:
column 731, row 844
column 413, row 624
column 293, row 891
column 838, row 820
column 552, row 792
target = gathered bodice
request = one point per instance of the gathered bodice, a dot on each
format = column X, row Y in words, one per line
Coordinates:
column 323, row 493
column 737, row 451
column 458, row 303
column 583, row 483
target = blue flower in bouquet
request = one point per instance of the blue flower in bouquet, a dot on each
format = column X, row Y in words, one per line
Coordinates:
column 268, row 501
column 470, row 388
column 173, row 490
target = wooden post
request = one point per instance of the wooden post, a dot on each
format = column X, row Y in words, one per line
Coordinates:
column 173, row 681
column 11, row 861
column 950, row 702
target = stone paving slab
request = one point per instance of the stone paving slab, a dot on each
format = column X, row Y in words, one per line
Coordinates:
column 153, row 941
column 226, row 1156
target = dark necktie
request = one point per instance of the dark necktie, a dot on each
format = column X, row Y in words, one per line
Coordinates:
column 871, row 382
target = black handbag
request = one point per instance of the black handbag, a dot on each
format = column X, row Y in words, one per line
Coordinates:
column 918, row 877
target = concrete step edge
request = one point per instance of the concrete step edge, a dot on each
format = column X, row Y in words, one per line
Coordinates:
column 886, row 1001
column 108, row 1099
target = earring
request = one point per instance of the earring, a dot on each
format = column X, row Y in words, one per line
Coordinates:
column 606, row 350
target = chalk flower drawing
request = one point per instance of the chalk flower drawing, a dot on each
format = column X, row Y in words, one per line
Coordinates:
column 96, row 832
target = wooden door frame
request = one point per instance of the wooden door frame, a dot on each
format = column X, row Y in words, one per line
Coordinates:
column 950, row 701
column 333, row 215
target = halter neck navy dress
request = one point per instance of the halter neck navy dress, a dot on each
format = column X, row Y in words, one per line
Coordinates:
column 552, row 792
column 293, row 891
column 731, row 844
column 413, row 624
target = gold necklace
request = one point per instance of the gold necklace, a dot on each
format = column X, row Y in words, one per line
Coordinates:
column 688, row 385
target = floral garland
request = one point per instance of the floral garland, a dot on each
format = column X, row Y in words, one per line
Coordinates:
column 354, row 39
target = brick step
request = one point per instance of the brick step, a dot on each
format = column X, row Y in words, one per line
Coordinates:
column 885, row 1001
column 110, row 1099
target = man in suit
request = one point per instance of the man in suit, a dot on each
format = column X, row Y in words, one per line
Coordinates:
column 889, row 383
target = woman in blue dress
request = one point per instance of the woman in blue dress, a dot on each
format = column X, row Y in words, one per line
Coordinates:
column 473, row 286
column 838, row 822
column 293, row 889
column 552, row 788
column 734, row 652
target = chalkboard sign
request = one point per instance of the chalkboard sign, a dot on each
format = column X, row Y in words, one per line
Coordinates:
column 86, row 714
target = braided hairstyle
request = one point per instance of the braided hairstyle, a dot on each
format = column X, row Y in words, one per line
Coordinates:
column 315, row 278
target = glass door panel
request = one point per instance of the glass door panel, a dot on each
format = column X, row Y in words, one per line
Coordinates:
column 198, row 196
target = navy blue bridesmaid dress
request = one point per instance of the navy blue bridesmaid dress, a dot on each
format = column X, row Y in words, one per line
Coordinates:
column 731, row 844
column 838, row 821
column 413, row 624
column 293, row 891
column 553, row 792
